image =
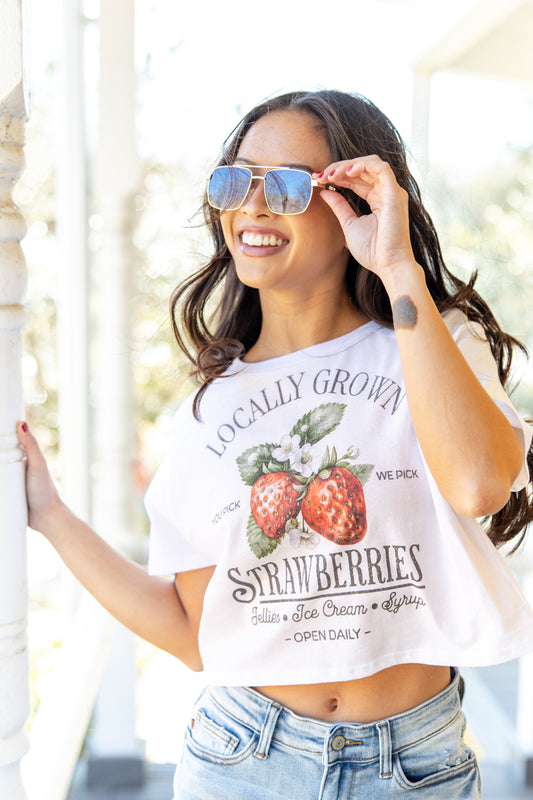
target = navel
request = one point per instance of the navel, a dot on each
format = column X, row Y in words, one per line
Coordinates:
column 332, row 704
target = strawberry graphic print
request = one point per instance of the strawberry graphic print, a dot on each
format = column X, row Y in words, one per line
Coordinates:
column 301, row 487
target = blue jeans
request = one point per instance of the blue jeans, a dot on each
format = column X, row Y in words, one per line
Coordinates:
column 243, row 746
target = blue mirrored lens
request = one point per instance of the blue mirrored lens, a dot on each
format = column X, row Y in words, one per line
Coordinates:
column 228, row 186
column 288, row 191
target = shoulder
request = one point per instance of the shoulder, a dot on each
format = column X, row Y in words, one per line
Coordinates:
column 461, row 327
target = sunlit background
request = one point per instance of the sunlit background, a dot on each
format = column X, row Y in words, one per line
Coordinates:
column 200, row 66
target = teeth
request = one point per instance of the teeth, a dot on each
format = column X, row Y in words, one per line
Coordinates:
column 261, row 240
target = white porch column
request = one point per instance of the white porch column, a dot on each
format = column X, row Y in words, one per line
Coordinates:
column 72, row 316
column 420, row 121
column 14, row 693
column 117, row 180
column 116, row 755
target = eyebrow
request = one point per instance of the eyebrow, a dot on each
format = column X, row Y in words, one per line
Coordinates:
column 249, row 163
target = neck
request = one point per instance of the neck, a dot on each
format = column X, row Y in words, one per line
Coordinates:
column 288, row 327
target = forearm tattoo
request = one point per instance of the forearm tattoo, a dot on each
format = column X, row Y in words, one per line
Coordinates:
column 404, row 314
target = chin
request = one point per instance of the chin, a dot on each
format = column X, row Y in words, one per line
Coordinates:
column 254, row 278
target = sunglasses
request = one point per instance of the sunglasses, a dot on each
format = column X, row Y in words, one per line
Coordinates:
column 287, row 191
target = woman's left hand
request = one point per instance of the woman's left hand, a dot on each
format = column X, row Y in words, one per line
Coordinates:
column 379, row 241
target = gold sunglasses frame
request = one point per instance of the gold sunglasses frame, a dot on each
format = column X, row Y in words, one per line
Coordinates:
column 314, row 184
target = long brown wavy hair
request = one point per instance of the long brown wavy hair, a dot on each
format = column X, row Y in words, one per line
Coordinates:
column 216, row 318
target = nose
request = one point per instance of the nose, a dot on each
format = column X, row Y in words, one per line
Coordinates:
column 255, row 202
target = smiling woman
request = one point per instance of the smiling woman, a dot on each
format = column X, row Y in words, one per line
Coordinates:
column 318, row 502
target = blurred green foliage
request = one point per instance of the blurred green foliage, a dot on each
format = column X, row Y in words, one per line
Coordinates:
column 485, row 224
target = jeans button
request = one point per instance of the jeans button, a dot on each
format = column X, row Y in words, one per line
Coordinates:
column 338, row 742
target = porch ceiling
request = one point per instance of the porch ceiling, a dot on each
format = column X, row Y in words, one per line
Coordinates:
column 492, row 38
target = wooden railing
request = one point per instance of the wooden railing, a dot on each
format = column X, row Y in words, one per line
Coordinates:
column 61, row 723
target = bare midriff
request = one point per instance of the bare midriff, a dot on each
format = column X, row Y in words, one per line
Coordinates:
column 384, row 694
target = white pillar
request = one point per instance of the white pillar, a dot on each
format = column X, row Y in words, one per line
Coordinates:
column 72, row 325
column 14, row 693
column 420, row 121
column 116, row 183
column 113, row 746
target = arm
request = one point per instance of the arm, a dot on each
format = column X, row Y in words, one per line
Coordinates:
column 149, row 606
column 469, row 445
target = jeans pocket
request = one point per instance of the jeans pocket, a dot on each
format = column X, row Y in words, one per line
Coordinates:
column 442, row 757
column 219, row 739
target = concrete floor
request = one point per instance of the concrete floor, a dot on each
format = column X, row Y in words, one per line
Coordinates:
column 158, row 786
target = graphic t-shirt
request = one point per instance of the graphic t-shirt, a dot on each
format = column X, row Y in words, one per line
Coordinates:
column 335, row 554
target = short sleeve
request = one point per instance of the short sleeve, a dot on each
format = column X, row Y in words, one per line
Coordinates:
column 471, row 340
column 172, row 547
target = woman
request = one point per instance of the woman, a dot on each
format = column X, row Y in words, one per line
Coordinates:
column 318, row 502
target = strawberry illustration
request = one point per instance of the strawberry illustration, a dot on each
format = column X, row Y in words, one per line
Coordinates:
column 274, row 500
column 334, row 506
column 301, row 480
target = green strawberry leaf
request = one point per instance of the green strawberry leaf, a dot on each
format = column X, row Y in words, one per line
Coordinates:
column 326, row 460
column 261, row 545
column 361, row 471
column 316, row 424
column 251, row 462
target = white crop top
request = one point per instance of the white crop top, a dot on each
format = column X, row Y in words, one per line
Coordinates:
column 336, row 556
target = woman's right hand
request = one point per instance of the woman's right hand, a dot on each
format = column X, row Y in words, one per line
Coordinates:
column 148, row 605
column 42, row 495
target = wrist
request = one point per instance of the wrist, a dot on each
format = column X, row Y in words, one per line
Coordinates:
column 50, row 520
column 405, row 278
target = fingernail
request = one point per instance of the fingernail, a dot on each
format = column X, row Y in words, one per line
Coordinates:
column 319, row 174
column 24, row 427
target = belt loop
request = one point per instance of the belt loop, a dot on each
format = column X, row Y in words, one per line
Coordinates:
column 385, row 749
column 461, row 688
column 265, row 737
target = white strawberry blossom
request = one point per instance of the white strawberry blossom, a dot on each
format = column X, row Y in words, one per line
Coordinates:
column 301, row 538
column 352, row 452
column 307, row 460
column 289, row 445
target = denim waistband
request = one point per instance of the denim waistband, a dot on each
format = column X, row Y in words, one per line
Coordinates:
column 342, row 741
